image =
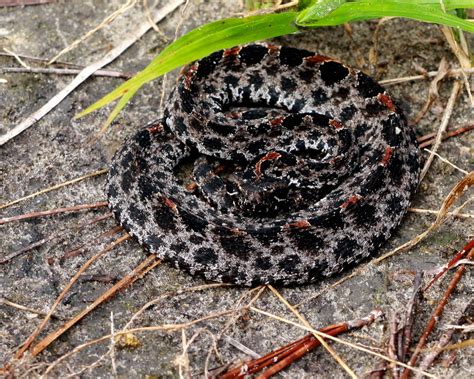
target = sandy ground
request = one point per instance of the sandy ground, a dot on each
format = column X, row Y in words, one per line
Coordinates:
column 57, row 149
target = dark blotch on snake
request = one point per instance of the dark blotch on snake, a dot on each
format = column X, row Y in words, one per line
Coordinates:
column 346, row 247
column 333, row 72
column 364, row 214
column 236, row 246
column 208, row 64
column 287, row 84
column 348, row 112
column 367, row 86
column 293, row 57
column 374, row 108
column 194, row 223
column 252, row 54
column 305, row 240
column 289, row 263
column 391, row 131
column 205, row 256
column 319, row 96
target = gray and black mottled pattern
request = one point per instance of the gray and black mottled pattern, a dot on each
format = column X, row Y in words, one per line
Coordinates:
column 271, row 165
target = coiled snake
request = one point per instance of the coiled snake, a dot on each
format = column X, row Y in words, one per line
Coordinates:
column 271, row 165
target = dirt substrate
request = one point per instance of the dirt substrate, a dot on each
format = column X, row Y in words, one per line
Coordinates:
column 58, row 148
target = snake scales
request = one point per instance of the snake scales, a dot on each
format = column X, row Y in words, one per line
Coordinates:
column 271, row 165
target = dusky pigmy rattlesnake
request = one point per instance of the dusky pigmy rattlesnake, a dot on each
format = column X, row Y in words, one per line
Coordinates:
column 271, row 165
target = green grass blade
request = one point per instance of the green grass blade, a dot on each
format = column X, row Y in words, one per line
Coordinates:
column 201, row 42
column 364, row 10
column 458, row 4
column 317, row 9
column 120, row 105
column 302, row 4
column 447, row 4
column 321, row 8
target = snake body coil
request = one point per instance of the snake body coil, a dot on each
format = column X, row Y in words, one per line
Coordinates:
column 271, row 165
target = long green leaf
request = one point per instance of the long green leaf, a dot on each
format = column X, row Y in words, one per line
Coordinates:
column 302, row 4
column 321, row 8
column 365, row 10
column 446, row 4
column 199, row 43
column 120, row 105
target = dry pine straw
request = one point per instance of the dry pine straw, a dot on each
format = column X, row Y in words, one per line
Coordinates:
column 442, row 214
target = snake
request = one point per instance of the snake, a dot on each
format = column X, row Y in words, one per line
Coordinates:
column 270, row 164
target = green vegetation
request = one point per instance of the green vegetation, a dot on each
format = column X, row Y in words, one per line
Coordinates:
column 309, row 14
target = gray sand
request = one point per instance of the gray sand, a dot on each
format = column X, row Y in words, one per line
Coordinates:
column 57, row 149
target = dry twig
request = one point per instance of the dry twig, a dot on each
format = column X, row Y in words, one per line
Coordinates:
column 62, row 64
column 57, row 186
column 26, row 345
column 392, row 350
column 26, row 309
column 79, row 249
column 280, row 358
column 453, row 195
column 452, row 263
column 462, row 54
column 443, row 126
column 125, row 332
column 51, row 237
column 17, row 57
column 435, row 212
column 440, row 346
column 410, row 315
column 112, row 346
column 318, row 338
column 22, row 3
column 168, row 294
column 148, row 264
column 429, row 139
column 74, row 208
column 165, row 327
column 354, row 346
column 433, row 90
column 63, row 71
column 108, row 20
column 244, row 349
column 436, row 314
column 88, row 71
column 453, row 73
column 232, row 320
column 448, row 162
